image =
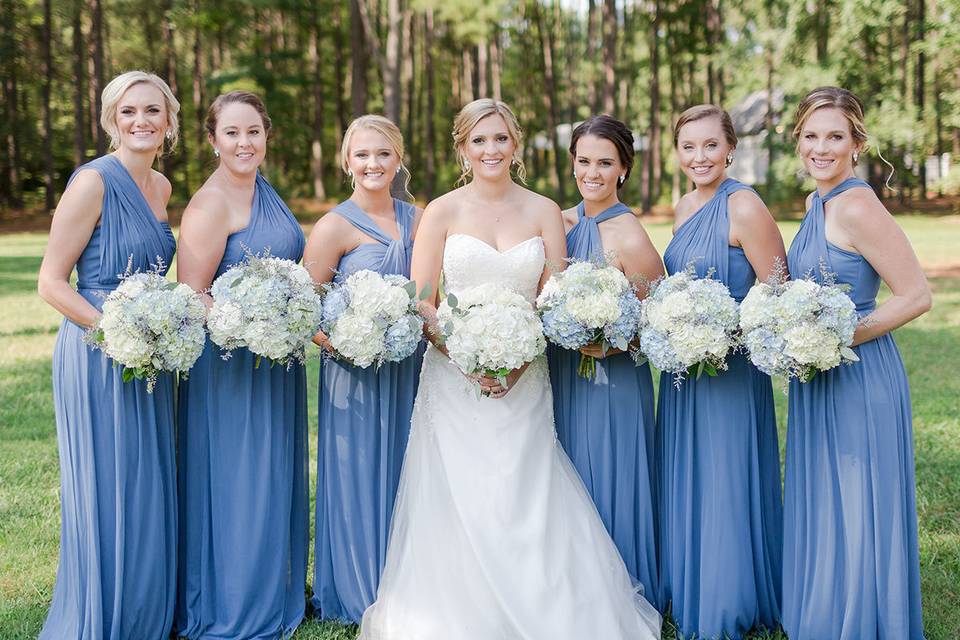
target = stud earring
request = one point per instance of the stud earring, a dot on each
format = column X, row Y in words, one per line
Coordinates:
column 729, row 159
column 574, row 174
column 350, row 172
column 169, row 135
column 621, row 179
column 216, row 153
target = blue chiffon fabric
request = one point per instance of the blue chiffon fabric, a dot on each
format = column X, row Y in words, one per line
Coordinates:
column 851, row 561
column 719, row 508
column 242, row 469
column 606, row 426
column 364, row 421
column 117, row 573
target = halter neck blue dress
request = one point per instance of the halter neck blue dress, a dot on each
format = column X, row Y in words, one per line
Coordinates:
column 851, row 562
column 242, row 469
column 719, row 510
column 606, row 426
column 117, row 573
column 364, row 421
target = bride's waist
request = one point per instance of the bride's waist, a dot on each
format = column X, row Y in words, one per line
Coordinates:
column 436, row 358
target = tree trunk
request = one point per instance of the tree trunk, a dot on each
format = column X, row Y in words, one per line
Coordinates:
column 823, row 33
column 340, row 80
column 591, row 53
column 609, row 55
column 483, row 88
column 79, row 121
column 96, row 32
column 391, row 62
column 653, row 176
column 199, row 99
column 496, row 64
column 316, row 148
column 429, row 132
column 466, row 85
column 47, row 53
column 358, row 61
column 919, row 97
column 550, row 98
column 12, row 178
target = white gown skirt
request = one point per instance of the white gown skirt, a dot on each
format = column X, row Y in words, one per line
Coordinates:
column 494, row 536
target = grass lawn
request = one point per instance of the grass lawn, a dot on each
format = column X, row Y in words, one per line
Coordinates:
column 29, row 475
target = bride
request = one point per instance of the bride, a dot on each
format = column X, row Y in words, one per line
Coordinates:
column 494, row 536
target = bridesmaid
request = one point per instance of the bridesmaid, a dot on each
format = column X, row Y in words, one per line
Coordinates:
column 606, row 424
column 364, row 414
column 719, row 509
column 242, row 439
column 851, row 565
column 117, row 573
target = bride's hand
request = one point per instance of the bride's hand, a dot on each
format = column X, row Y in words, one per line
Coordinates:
column 494, row 389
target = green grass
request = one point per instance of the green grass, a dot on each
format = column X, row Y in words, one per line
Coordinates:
column 29, row 473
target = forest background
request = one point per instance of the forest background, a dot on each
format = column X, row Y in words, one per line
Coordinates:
column 319, row 64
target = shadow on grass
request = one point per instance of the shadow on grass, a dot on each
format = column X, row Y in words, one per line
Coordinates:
column 26, row 401
column 18, row 274
column 21, row 621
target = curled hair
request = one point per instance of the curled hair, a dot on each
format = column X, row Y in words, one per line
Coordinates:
column 467, row 119
column 231, row 97
column 607, row 128
column 701, row 111
column 837, row 98
column 113, row 92
column 389, row 130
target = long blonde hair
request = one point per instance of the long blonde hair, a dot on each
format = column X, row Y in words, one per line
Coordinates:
column 113, row 92
column 467, row 119
column 389, row 130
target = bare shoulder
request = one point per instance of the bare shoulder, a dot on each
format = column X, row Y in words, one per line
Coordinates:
column 539, row 204
column 208, row 204
column 685, row 206
column 163, row 186
column 631, row 234
column 86, row 184
column 858, row 209
column 746, row 207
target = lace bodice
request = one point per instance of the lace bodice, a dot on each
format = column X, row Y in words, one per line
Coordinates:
column 469, row 261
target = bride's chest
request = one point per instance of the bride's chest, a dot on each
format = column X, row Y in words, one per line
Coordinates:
column 469, row 261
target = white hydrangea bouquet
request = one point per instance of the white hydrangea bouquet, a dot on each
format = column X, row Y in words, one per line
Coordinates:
column 150, row 325
column 796, row 328
column 589, row 303
column 370, row 318
column 490, row 330
column 266, row 304
column 688, row 325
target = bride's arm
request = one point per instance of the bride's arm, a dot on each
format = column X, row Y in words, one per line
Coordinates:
column 425, row 267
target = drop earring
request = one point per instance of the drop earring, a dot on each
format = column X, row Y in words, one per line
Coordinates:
column 621, row 179
column 856, row 156
column 729, row 159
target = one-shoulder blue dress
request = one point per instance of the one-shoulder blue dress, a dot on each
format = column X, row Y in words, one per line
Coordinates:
column 242, row 470
column 851, row 563
column 364, row 421
column 606, row 426
column 719, row 509
column 118, row 531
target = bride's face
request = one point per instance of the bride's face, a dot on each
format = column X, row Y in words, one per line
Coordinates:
column 489, row 148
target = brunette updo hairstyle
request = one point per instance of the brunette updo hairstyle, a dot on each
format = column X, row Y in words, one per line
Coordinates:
column 837, row 98
column 701, row 111
column 243, row 97
column 608, row 128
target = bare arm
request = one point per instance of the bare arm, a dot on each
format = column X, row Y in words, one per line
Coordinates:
column 879, row 239
column 554, row 243
column 203, row 238
column 73, row 223
column 426, row 264
column 753, row 228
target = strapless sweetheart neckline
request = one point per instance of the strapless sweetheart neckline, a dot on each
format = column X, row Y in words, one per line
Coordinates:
column 490, row 246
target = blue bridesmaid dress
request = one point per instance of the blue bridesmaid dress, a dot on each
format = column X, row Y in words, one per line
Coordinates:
column 364, row 421
column 851, row 564
column 117, row 574
column 242, row 470
column 606, row 426
column 719, row 510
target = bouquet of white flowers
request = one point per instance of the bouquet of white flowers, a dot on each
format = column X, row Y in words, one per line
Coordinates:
column 589, row 303
column 490, row 330
column 370, row 318
column 266, row 304
column 150, row 325
column 688, row 324
column 798, row 327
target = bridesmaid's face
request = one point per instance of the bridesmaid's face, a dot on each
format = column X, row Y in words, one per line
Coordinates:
column 372, row 160
column 597, row 167
column 240, row 138
column 702, row 149
column 489, row 148
column 826, row 145
column 142, row 118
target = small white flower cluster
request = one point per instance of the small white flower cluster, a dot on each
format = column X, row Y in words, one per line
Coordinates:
column 267, row 304
column 688, row 321
column 589, row 303
column 150, row 325
column 490, row 330
column 798, row 327
column 370, row 318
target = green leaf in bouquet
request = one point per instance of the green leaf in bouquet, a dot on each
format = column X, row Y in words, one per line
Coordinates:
column 128, row 375
column 256, row 361
column 170, row 286
column 849, row 354
column 426, row 292
column 411, row 289
column 709, row 368
column 806, row 374
column 236, row 281
column 452, row 301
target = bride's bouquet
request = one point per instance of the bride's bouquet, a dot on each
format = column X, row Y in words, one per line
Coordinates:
column 795, row 328
column 589, row 303
column 688, row 325
column 490, row 330
column 150, row 325
column 267, row 304
column 370, row 318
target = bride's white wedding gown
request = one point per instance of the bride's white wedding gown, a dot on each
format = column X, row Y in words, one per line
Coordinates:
column 494, row 536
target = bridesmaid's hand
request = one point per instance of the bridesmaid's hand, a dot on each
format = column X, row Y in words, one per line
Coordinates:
column 323, row 342
column 597, row 351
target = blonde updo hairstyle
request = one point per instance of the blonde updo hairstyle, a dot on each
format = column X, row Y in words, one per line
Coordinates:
column 389, row 130
column 113, row 92
column 702, row 111
column 467, row 119
column 837, row 98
